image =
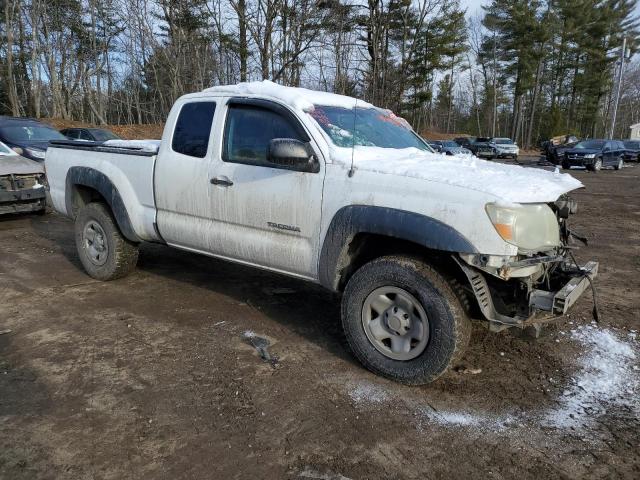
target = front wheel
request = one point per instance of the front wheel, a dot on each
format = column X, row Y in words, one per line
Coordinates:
column 104, row 252
column 619, row 165
column 597, row 165
column 403, row 320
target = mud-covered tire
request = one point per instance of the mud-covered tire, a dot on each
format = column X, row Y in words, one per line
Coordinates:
column 449, row 326
column 120, row 254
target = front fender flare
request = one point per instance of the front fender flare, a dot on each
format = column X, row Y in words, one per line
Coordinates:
column 390, row 222
column 92, row 178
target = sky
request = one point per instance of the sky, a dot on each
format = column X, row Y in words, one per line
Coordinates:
column 473, row 6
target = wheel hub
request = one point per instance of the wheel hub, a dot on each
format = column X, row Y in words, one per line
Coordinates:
column 94, row 242
column 397, row 320
column 395, row 323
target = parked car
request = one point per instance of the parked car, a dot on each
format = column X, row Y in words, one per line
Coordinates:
column 632, row 152
column 89, row 134
column 28, row 137
column 22, row 183
column 448, row 147
column 479, row 146
column 505, row 148
column 482, row 147
column 436, row 145
column 555, row 148
column 280, row 178
column 595, row 154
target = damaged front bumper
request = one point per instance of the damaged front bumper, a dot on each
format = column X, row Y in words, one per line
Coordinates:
column 532, row 305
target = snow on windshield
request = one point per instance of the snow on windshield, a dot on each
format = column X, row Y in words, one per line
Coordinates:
column 370, row 127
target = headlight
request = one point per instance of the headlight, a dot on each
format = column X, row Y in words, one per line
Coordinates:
column 36, row 153
column 590, row 155
column 530, row 227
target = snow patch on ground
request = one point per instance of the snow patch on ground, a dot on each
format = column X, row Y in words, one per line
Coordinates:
column 368, row 393
column 606, row 378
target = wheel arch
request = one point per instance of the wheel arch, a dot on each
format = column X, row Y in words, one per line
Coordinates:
column 85, row 185
column 360, row 233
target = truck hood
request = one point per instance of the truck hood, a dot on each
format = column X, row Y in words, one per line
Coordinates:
column 510, row 183
column 18, row 165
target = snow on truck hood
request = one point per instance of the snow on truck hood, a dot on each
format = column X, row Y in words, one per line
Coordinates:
column 510, row 183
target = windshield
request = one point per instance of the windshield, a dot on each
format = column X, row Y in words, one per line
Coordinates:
column 103, row 135
column 595, row 144
column 30, row 133
column 502, row 141
column 451, row 144
column 372, row 127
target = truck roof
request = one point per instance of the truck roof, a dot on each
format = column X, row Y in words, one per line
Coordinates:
column 301, row 99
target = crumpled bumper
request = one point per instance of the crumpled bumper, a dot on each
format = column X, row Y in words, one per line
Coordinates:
column 559, row 302
column 570, row 283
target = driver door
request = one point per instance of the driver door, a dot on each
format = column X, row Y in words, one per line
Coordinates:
column 264, row 214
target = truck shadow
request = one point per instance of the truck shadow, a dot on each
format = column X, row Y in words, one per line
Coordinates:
column 302, row 307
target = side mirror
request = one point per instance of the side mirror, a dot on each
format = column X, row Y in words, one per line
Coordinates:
column 293, row 155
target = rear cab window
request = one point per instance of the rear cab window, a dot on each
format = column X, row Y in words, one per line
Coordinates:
column 193, row 129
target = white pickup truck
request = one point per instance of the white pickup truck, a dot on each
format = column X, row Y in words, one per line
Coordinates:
column 333, row 190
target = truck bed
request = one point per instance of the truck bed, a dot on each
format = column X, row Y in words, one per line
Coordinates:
column 130, row 170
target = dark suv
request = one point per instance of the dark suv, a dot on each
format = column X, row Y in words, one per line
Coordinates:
column 480, row 146
column 632, row 150
column 595, row 154
column 27, row 136
column 89, row 134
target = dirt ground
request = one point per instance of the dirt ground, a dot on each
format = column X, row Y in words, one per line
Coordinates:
column 153, row 376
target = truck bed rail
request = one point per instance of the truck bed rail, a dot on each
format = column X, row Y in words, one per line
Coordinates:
column 99, row 147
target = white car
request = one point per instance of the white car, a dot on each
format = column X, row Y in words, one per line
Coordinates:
column 333, row 190
column 505, row 148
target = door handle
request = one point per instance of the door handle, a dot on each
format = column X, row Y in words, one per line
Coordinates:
column 222, row 182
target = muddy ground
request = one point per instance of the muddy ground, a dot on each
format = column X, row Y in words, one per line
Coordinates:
column 152, row 376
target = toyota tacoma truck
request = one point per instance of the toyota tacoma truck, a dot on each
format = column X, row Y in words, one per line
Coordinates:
column 333, row 190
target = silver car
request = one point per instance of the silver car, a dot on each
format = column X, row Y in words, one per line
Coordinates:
column 505, row 148
column 22, row 183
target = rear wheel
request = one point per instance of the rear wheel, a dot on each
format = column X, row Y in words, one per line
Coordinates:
column 104, row 252
column 403, row 320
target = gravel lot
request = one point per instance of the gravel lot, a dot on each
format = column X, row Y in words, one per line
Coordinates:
column 158, row 375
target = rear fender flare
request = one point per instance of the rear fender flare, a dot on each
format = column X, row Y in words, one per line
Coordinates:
column 92, row 178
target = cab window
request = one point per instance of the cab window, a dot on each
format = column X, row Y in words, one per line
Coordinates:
column 193, row 128
column 248, row 131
